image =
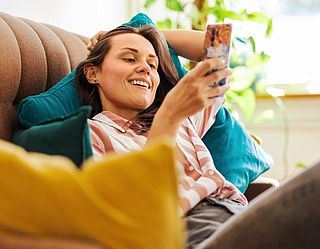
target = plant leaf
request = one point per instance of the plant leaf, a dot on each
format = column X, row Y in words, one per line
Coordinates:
column 269, row 28
column 148, row 3
column 165, row 24
column 258, row 17
column 174, row 5
column 253, row 43
column 233, row 15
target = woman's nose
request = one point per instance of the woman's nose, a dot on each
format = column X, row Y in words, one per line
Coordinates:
column 144, row 68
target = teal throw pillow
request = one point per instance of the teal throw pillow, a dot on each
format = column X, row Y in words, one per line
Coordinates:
column 68, row 136
column 59, row 101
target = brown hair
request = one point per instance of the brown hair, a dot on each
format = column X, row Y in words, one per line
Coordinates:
column 89, row 94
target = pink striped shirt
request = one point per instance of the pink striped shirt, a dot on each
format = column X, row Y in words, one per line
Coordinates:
column 198, row 177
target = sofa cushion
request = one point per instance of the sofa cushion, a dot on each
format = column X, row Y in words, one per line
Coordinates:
column 67, row 136
column 109, row 201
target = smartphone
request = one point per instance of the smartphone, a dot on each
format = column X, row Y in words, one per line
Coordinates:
column 217, row 43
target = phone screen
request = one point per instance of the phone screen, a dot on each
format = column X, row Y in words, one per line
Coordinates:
column 217, row 43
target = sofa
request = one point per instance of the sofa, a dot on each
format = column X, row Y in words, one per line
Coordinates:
column 29, row 53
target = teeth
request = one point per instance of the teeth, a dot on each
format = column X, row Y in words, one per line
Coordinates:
column 139, row 83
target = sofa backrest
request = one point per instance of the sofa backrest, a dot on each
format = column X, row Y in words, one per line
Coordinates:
column 33, row 57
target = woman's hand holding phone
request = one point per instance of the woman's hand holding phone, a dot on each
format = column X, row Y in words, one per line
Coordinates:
column 193, row 92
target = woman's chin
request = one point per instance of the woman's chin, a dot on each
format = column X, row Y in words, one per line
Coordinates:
column 141, row 107
column 143, row 104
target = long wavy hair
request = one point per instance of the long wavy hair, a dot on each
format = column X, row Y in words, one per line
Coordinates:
column 89, row 94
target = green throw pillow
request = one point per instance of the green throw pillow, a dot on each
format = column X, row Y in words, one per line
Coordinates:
column 66, row 136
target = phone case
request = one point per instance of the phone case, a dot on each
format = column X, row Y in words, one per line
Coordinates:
column 217, row 43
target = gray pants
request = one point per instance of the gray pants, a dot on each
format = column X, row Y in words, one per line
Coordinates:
column 285, row 218
column 206, row 217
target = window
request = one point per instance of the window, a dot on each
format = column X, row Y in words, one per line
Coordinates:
column 294, row 45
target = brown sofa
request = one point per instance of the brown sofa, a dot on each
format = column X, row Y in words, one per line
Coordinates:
column 33, row 57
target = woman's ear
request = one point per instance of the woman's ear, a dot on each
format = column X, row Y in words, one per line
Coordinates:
column 91, row 73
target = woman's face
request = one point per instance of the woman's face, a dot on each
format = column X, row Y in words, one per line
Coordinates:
column 128, row 77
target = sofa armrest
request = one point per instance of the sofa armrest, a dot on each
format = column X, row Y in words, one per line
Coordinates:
column 260, row 185
column 32, row 242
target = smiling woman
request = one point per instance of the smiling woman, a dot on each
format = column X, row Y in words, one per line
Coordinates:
column 108, row 79
column 137, row 98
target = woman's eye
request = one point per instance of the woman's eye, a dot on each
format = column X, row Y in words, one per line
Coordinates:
column 152, row 65
column 130, row 59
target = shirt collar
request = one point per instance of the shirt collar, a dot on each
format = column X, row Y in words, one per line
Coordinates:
column 113, row 120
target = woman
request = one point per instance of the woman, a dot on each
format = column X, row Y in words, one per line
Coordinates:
column 131, row 83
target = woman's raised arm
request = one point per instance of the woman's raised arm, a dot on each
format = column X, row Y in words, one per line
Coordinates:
column 186, row 43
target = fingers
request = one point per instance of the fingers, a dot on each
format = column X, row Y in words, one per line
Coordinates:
column 90, row 46
column 214, row 78
column 218, row 90
column 204, row 67
column 95, row 39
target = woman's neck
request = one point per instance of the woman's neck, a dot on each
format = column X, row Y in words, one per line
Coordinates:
column 128, row 115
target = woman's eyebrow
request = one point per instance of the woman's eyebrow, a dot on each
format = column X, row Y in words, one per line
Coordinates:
column 137, row 51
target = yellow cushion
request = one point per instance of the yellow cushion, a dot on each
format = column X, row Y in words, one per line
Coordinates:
column 122, row 201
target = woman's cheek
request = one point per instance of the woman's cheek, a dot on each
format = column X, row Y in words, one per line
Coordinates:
column 157, row 80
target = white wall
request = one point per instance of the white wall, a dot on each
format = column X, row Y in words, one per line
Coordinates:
column 85, row 17
column 303, row 140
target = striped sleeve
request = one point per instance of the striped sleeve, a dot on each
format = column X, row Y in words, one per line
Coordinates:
column 203, row 120
column 100, row 141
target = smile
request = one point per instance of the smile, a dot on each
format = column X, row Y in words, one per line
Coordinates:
column 140, row 83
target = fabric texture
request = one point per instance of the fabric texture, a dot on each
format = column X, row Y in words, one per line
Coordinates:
column 109, row 201
column 235, row 153
column 66, row 136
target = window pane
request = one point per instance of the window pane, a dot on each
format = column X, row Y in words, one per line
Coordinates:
column 295, row 43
